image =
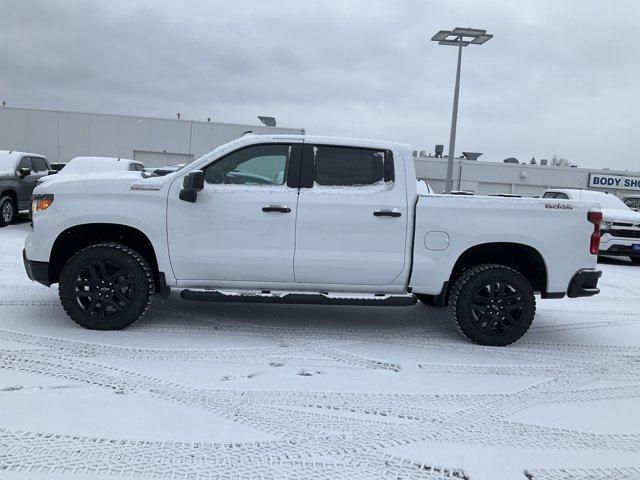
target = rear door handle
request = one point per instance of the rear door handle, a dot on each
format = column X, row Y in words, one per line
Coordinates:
column 386, row 213
column 276, row 208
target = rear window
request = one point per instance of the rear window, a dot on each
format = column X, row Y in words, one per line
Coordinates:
column 632, row 202
column 350, row 167
column 559, row 195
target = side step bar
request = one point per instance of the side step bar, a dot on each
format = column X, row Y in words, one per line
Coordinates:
column 298, row 298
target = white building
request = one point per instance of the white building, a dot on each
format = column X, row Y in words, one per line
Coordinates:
column 523, row 179
column 60, row 136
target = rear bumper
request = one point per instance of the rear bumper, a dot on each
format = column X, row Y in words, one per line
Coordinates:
column 584, row 284
column 36, row 271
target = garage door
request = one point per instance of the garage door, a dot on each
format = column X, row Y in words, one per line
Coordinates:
column 161, row 159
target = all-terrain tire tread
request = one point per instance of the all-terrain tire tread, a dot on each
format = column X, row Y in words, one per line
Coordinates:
column 462, row 281
column 144, row 264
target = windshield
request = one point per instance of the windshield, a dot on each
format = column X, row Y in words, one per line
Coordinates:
column 7, row 162
column 611, row 201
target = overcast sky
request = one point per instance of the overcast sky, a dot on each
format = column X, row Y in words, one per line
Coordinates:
column 559, row 77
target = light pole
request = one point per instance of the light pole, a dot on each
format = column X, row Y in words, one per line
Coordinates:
column 456, row 37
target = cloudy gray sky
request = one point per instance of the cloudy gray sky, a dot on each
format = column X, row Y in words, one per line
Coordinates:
column 559, row 77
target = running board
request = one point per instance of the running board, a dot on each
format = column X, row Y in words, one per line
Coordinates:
column 299, row 298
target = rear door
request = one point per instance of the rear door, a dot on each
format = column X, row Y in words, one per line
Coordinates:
column 352, row 217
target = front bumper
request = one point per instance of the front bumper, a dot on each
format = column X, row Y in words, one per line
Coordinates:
column 36, row 271
column 622, row 246
column 584, row 284
column 620, row 250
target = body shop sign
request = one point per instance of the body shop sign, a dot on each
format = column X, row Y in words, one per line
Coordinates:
column 599, row 180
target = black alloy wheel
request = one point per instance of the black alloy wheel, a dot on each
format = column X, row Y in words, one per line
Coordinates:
column 492, row 304
column 107, row 286
column 103, row 289
column 496, row 307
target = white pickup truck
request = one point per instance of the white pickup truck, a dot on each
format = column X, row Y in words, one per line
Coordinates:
column 307, row 220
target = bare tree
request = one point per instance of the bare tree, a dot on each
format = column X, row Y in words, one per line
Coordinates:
column 560, row 162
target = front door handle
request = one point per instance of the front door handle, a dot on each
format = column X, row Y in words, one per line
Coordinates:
column 276, row 208
column 386, row 213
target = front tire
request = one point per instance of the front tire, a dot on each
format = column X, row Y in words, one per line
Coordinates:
column 8, row 210
column 492, row 305
column 107, row 286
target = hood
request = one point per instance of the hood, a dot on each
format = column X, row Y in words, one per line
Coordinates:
column 109, row 182
column 619, row 215
column 113, row 175
column 7, row 174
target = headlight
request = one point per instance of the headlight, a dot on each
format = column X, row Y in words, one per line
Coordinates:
column 605, row 225
column 41, row 202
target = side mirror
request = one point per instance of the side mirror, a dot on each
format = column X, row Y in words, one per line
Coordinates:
column 191, row 185
column 52, row 172
column 23, row 172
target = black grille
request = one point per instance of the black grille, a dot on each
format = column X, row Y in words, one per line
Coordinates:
column 623, row 233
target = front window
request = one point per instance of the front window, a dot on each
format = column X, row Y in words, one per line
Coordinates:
column 25, row 162
column 264, row 165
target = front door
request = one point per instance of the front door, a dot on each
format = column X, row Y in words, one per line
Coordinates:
column 352, row 221
column 26, row 184
column 242, row 226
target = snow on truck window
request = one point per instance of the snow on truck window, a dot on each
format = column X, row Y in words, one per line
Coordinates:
column 260, row 165
column 25, row 162
column 349, row 167
column 39, row 165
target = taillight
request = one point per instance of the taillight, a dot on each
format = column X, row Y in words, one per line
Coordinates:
column 595, row 218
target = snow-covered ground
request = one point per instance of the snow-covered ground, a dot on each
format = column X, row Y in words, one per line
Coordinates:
column 265, row 391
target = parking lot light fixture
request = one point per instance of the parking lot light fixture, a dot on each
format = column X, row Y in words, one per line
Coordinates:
column 458, row 37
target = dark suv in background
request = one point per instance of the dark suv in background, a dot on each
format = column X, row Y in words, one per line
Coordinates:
column 19, row 175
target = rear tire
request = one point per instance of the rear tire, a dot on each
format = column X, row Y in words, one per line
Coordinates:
column 8, row 210
column 635, row 260
column 492, row 305
column 107, row 286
